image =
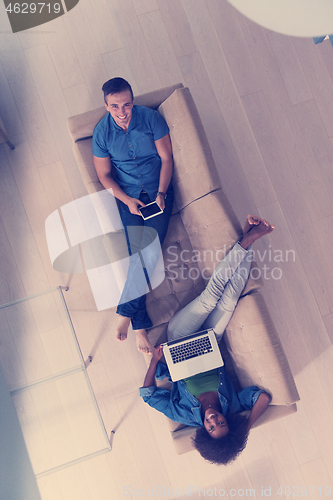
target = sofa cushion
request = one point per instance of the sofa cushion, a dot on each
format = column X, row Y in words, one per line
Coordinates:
column 256, row 350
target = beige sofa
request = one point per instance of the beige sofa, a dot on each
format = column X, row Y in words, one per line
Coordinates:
column 202, row 228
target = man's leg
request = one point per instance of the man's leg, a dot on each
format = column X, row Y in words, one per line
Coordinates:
column 159, row 224
column 140, row 234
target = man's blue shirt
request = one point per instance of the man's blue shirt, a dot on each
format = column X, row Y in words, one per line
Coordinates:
column 133, row 152
column 181, row 406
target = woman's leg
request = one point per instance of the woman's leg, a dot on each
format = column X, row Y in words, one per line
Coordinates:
column 189, row 319
column 192, row 317
column 219, row 318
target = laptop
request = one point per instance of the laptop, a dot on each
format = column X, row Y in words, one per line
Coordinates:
column 193, row 354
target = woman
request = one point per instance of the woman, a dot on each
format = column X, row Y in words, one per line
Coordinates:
column 209, row 400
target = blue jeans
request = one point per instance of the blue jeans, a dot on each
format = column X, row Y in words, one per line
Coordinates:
column 214, row 307
column 139, row 234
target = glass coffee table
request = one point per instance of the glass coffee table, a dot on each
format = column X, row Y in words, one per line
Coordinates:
column 47, row 379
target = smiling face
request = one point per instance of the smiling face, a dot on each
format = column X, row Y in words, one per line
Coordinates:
column 120, row 107
column 215, row 423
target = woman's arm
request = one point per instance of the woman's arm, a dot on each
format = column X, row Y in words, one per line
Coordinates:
column 103, row 168
column 259, row 408
column 150, row 375
column 164, row 150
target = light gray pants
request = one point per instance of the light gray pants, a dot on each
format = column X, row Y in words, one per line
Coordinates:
column 214, row 307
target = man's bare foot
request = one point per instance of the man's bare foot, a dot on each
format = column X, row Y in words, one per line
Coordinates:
column 256, row 232
column 122, row 328
column 251, row 221
column 142, row 342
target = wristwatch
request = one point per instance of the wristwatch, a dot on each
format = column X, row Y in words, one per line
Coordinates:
column 163, row 194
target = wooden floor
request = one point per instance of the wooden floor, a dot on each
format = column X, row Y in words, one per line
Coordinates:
column 266, row 102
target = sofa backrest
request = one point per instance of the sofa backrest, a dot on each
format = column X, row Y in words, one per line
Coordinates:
column 82, row 126
column 195, row 173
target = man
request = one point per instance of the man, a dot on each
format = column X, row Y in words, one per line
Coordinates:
column 133, row 159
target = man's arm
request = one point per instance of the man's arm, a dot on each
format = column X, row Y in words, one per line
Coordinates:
column 103, row 168
column 259, row 408
column 164, row 150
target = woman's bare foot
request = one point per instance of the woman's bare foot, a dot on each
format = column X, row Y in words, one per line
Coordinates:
column 251, row 221
column 122, row 328
column 256, row 232
column 142, row 342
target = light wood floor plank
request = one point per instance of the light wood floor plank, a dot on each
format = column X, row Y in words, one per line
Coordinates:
column 305, row 446
column 287, row 189
column 103, row 26
column 325, row 51
column 57, row 111
column 144, row 6
column 260, row 470
column 11, row 286
column 100, row 482
column 8, row 109
column 225, row 20
column 78, row 99
column 116, row 64
column 160, row 47
column 317, row 474
column 320, row 148
column 290, row 68
column 19, row 234
column 49, row 488
column 228, row 164
column 31, row 110
column 285, row 120
column 31, row 37
column 230, row 104
column 73, row 484
column 318, row 79
column 281, row 453
column 178, row 27
column 135, row 45
column 9, row 356
column 143, row 444
column 86, row 50
column 62, row 53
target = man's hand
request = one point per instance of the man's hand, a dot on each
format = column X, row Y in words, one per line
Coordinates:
column 133, row 204
column 160, row 200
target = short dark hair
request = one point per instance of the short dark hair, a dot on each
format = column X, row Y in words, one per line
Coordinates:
column 227, row 448
column 116, row 85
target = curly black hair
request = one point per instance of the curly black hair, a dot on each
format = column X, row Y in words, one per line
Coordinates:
column 227, row 448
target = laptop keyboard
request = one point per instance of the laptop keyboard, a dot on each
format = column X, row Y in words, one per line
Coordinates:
column 191, row 349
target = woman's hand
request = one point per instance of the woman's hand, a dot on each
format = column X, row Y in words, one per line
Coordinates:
column 259, row 408
column 157, row 353
column 150, row 375
column 133, row 205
